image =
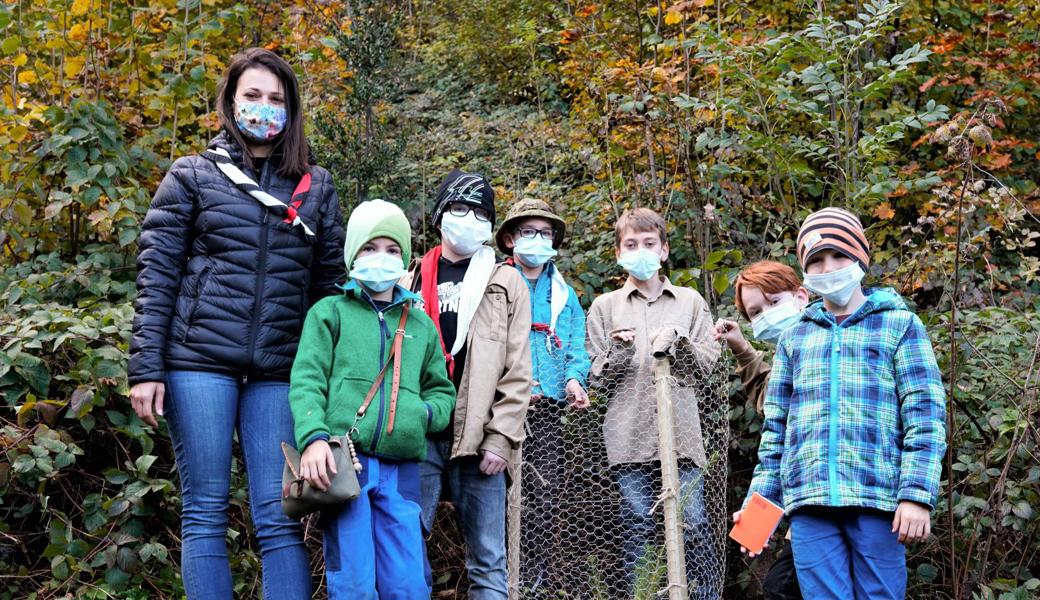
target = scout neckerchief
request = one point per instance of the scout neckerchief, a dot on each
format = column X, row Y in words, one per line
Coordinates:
column 227, row 166
column 558, row 296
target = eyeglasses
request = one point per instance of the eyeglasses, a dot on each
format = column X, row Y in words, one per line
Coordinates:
column 458, row 209
column 530, row 232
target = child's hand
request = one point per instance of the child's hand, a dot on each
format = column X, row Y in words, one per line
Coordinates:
column 316, row 463
column 577, row 394
column 625, row 336
column 912, row 521
column 491, row 463
column 729, row 331
column 743, row 550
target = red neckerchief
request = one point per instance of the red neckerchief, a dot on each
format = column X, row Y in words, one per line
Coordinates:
column 431, row 303
column 542, row 327
column 297, row 198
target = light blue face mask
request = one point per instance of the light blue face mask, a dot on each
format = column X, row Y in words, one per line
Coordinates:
column 260, row 121
column 378, row 272
column 533, row 252
column 641, row 264
column 769, row 324
column 838, row 286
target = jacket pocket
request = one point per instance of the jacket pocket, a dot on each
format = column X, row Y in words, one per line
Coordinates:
column 491, row 319
column 200, row 287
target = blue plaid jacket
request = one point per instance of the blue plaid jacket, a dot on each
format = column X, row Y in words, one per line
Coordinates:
column 855, row 414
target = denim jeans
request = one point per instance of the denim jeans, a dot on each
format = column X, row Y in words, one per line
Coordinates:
column 640, row 486
column 845, row 553
column 480, row 502
column 203, row 411
column 374, row 547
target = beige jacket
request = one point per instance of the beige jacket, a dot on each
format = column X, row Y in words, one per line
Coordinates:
column 679, row 322
column 496, row 384
column 754, row 374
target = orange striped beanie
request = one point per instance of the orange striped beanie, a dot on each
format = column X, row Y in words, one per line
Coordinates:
column 833, row 228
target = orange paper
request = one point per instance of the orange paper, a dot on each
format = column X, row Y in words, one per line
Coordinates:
column 757, row 523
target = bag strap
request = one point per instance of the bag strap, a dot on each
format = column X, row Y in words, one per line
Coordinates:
column 395, row 358
column 243, row 182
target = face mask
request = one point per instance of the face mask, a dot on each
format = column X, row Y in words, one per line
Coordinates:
column 533, row 252
column 465, row 235
column 259, row 121
column 838, row 286
column 378, row 272
column 768, row 325
column 641, row 264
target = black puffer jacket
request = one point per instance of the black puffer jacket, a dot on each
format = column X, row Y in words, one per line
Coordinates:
column 223, row 283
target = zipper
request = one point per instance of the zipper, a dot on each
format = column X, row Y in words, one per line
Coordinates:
column 200, row 284
column 832, row 434
column 384, row 332
column 261, row 275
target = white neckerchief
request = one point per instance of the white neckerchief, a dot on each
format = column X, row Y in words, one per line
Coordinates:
column 474, row 282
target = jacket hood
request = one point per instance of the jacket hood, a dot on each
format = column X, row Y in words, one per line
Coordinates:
column 878, row 300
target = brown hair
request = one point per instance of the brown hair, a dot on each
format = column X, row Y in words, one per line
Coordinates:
column 767, row 275
column 640, row 220
column 291, row 144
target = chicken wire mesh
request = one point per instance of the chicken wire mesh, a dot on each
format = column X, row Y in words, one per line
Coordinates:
column 586, row 513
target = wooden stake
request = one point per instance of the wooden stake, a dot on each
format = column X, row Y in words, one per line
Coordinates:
column 673, row 537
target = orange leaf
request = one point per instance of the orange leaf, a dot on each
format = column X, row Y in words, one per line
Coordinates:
column 928, row 84
column 587, row 10
column 997, row 161
column 884, row 211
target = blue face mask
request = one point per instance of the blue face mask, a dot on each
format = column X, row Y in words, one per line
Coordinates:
column 768, row 325
column 259, row 121
column 838, row 286
column 641, row 264
column 378, row 272
column 533, row 252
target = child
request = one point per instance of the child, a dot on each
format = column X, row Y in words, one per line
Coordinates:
column 624, row 328
column 374, row 544
column 855, row 413
column 771, row 296
column 530, row 235
column 483, row 315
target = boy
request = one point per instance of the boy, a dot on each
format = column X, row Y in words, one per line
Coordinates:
column 373, row 542
column 483, row 314
column 860, row 430
column 625, row 327
column 771, row 296
column 530, row 236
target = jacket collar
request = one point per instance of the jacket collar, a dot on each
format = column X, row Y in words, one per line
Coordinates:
column 630, row 288
column 401, row 295
column 878, row 300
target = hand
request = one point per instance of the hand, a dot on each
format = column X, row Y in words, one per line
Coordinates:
column 146, row 394
column 729, row 331
column 316, row 464
column 625, row 336
column 913, row 522
column 578, row 396
column 532, row 405
column 491, row 463
column 743, row 550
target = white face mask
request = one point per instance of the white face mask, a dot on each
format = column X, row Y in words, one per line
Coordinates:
column 378, row 272
column 465, row 235
column 533, row 252
column 769, row 324
column 641, row 264
column 836, row 287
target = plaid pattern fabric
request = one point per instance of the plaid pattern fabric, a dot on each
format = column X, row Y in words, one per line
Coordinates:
column 855, row 414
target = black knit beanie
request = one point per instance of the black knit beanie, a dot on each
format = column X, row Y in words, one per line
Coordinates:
column 468, row 188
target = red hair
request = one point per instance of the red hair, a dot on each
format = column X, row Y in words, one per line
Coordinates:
column 767, row 275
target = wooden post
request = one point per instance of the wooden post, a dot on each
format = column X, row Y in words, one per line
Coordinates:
column 673, row 526
column 514, row 505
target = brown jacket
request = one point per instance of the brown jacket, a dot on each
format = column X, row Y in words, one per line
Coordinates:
column 754, row 374
column 678, row 321
column 496, row 384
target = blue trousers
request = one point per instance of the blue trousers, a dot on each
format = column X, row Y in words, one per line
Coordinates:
column 843, row 553
column 480, row 502
column 374, row 547
column 203, row 411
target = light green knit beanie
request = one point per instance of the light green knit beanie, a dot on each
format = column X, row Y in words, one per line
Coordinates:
column 373, row 219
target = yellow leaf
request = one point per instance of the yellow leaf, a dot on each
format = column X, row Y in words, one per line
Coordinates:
column 18, row 133
column 20, row 60
column 672, row 17
column 74, row 65
column 27, row 77
column 884, row 211
column 78, row 32
column 80, row 7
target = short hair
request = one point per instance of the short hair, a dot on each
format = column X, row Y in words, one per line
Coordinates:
column 639, row 220
column 767, row 275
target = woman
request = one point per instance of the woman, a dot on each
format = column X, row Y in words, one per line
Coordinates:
column 239, row 242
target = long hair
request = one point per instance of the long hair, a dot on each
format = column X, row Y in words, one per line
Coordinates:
column 291, row 144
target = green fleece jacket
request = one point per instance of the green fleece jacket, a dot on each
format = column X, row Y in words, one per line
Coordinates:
column 344, row 344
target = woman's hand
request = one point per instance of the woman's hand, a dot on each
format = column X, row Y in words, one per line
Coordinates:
column 145, row 395
column 316, row 464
